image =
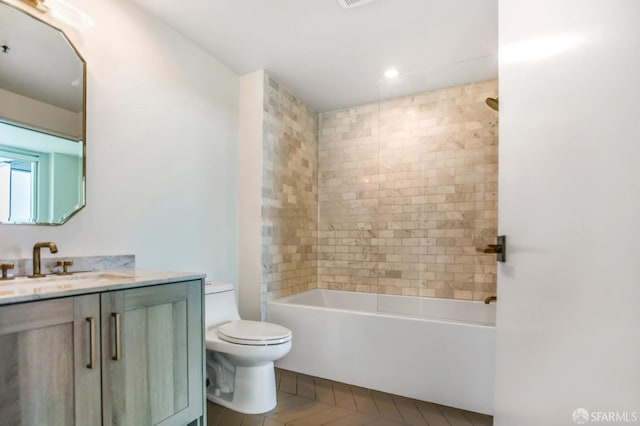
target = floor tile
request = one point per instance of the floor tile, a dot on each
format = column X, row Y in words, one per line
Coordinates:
column 385, row 422
column 323, row 417
column 356, row 419
column 278, row 373
column 288, row 403
column 432, row 414
column 252, row 420
column 310, row 401
column 324, row 391
column 299, row 412
column 386, row 407
column 306, row 387
column 288, row 382
column 455, row 417
column 343, row 395
column 364, row 400
column 409, row 411
column 214, row 413
column 283, row 395
column 230, row 418
column 478, row 419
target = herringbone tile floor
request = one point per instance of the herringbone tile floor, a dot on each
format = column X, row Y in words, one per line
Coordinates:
column 309, row 401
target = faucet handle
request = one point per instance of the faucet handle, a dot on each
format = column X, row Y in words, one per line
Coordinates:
column 64, row 263
column 5, row 267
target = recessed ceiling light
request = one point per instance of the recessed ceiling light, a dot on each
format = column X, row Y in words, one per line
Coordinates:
column 392, row 73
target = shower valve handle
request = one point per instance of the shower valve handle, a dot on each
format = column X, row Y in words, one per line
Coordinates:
column 498, row 249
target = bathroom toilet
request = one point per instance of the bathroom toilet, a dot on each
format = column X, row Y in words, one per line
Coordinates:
column 240, row 354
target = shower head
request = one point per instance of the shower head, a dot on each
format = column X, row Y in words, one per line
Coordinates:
column 492, row 102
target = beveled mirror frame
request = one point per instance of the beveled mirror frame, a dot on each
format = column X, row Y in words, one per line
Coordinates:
column 31, row 12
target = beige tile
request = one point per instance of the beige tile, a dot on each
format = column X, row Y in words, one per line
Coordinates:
column 435, row 170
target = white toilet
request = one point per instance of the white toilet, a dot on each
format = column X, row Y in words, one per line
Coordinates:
column 240, row 354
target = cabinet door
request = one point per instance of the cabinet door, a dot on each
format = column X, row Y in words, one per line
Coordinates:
column 49, row 362
column 153, row 355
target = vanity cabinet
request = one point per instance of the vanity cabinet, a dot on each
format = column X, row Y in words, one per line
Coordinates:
column 45, row 377
column 152, row 355
column 128, row 357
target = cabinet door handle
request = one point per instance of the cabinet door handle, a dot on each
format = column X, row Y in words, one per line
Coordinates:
column 117, row 345
column 92, row 343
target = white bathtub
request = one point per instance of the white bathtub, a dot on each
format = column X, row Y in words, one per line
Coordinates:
column 435, row 350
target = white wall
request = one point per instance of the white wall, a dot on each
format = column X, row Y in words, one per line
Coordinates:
column 569, row 203
column 22, row 110
column 250, row 137
column 161, row 150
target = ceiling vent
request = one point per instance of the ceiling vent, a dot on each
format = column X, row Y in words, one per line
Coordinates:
column 350, row 4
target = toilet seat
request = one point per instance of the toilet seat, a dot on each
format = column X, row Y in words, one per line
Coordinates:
column 253, row 333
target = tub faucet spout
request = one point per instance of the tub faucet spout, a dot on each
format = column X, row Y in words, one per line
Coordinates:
column 36, row 257
column 490, row 299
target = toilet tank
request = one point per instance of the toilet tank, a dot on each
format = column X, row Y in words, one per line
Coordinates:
column 219, row 304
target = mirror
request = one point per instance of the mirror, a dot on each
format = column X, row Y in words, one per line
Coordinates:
column 42, row 122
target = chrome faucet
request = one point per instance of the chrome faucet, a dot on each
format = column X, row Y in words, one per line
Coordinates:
column 490, row 299
column 36, row 257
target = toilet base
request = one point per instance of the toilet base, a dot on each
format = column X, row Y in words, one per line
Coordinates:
column 254, row 390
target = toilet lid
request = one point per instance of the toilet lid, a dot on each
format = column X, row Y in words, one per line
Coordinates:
column 246, row 332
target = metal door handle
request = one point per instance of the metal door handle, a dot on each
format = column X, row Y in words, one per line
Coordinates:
column 92, row 343
column 117, row 345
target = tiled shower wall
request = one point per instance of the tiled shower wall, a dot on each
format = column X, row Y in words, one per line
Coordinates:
column 289, row 194
column 407, row 192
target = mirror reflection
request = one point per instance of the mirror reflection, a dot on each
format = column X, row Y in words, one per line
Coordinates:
column 42, row 94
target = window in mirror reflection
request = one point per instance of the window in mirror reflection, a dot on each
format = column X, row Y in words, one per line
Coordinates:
column 16, row 188
column 40, row 175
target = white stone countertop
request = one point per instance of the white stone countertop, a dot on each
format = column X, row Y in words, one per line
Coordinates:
column 23, row 289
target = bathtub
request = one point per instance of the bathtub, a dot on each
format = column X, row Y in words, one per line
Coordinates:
column 435, row 350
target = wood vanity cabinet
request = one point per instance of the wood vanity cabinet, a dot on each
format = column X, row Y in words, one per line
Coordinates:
column 44, row 378
column 129, row 357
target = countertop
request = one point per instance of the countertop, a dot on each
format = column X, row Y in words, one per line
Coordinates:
column 23, row 289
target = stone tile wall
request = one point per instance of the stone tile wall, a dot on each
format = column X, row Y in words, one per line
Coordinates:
column 407, row 191
column 289, row 194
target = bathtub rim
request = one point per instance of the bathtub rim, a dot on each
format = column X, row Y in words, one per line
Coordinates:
column 287, row 301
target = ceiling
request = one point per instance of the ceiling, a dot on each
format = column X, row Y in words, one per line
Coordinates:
column 332, row 57
column 39, row 63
